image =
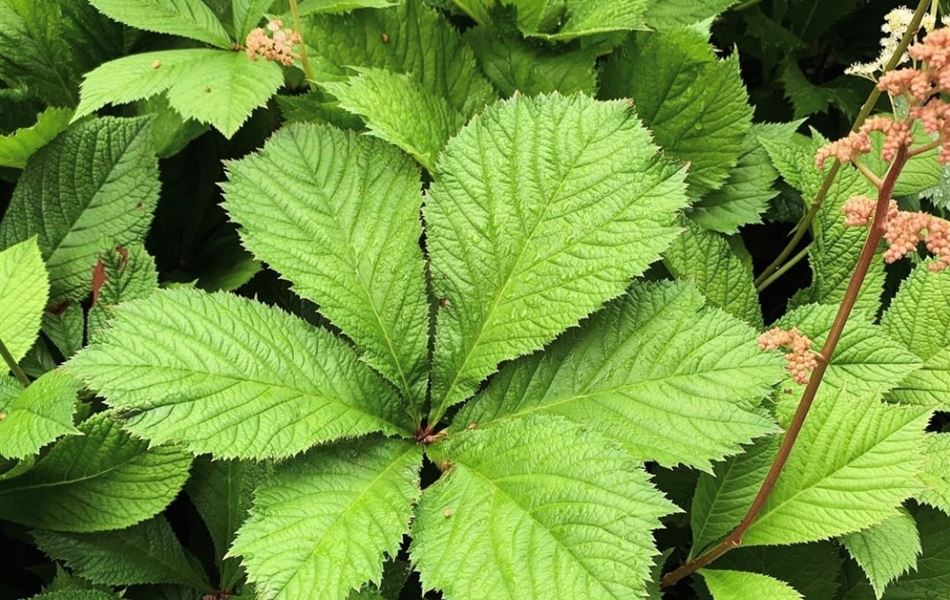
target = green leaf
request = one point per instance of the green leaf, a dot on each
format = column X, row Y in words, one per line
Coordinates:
column 361, row 200
column 101, row 480
column 246, row 15
column 517, row 65
column 569, row 200
column 384, row 99
column 232, row 377
column 18, row 146
column 919, row 318
column 936, row 475
column 75, row 595
column 719, row 267
column 24, row 290
column 866, row 360
column 887, row 550
column 98, row 180
column 729, row 585
column 409, row 38
column 745, row 194
column 696, row 106
column 321, row 527
column 311, row 7
column 723, row 496
column 857, row 484
column 38, row 415
column 920, row 173
column 217, row 87
column 931, row 580
column 642, row 371
column 65, row 326
column 123, row 274
column 571, row 19
column 187, row 18
column 221, row 493
column 672, row 14
column 534, row 509
column 146, row 553
column 812, row 569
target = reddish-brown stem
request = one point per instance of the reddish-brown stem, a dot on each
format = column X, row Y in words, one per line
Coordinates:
column 734, row 539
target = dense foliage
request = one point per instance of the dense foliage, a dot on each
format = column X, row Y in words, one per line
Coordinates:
column 470, row 299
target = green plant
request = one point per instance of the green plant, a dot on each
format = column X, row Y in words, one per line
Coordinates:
column 379, row 299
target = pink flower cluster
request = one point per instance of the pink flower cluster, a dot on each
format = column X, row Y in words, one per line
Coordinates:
column 904, row 230
column 896, row 135
column 275, row 43
column 801, row 360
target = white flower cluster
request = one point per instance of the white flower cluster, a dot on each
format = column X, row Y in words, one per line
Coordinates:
column 895, row 24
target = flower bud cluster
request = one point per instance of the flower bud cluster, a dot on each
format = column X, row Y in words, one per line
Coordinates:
column 273, row 43
column 800, row 359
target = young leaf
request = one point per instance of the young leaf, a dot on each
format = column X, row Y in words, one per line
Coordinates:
column 360, row 200
column 210, row 86
column 542, row 210
column 533, row 509
column 146, row 553
column 919, row 317
column 931, row 580
column 642, row 371
column 887, row 550
column 18, row 146
column 719, row 267
column 187, row 18
column 232, row 377
column 101, row 480
column 321, row 526
column 695, row 105
column 936, row 475
column 97, row 180
column 728, row 585
column 37, row 415
column 24, row 290
column 857, row 484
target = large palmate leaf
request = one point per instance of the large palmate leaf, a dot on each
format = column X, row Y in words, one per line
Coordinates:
column 18, row 146
column 857, row 484
column 732, row 585
column 696, row 106
column 232, row 377
column 534, row 509
column 145, row 553
column 37, row 415
column 210, row 86
column 720, row 267
column 542, row 209
column 98, row 180
column 188, row 18
column 651, row 366
column 100, row 480
column 409, row 38
column 321, row 527
column 919, row 317
column 931, row 579
column 338, row 215
column 887, row 550
column 24, row 290
column 865, row 361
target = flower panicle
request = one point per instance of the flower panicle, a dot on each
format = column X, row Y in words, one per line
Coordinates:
column 273, row 43
column 904, row 230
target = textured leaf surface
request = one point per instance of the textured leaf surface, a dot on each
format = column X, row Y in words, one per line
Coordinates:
column 696, row 106
column 98, row 180
column 866, row 360
column 217, row 87
column 936, row 475
column 831, row 488
column 919, row 317
column 321, row 527
column 719, row 267
column 24, row 290
column 37, row 415
column 408, row 38
column 572, row 19
column 338, row 215
column 731, row 585
column 187, row 18
column 232, row 377
column 931, row 580
column 536, row 509
column 543, row 208
column 129, row 273
column 103, row 479
column 887, row 550
column 649, row 367
column 18, row 146
column 671, row 14
column 145, row 553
